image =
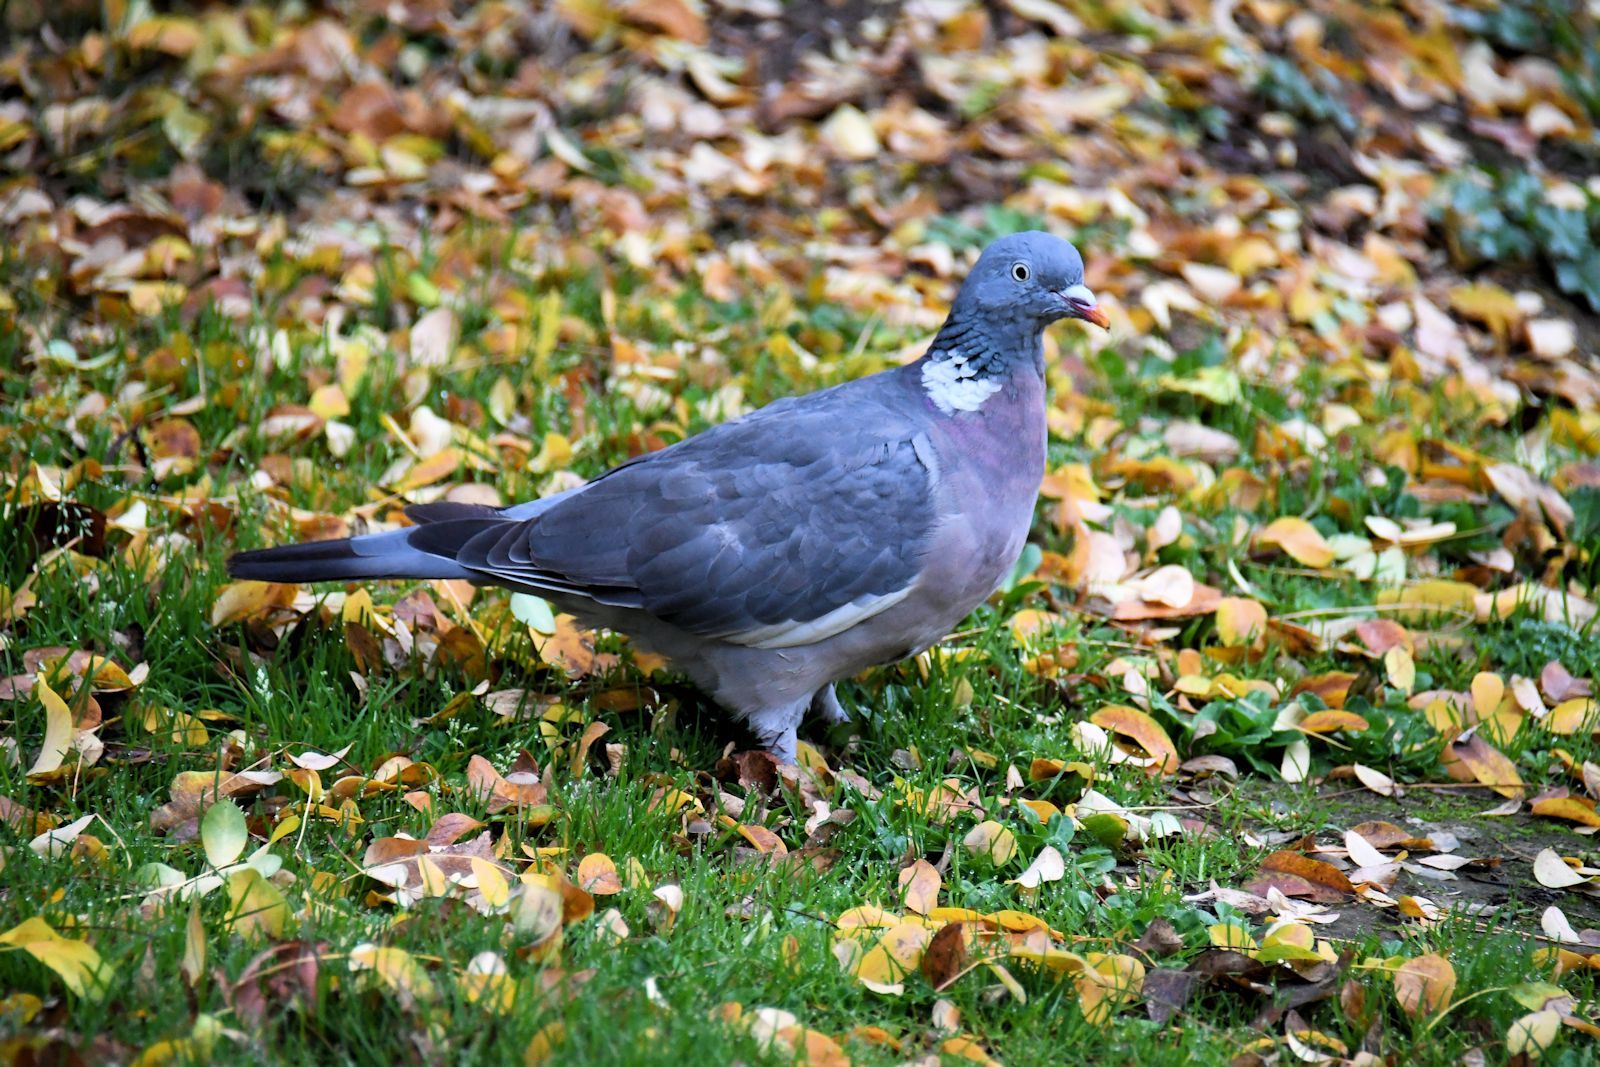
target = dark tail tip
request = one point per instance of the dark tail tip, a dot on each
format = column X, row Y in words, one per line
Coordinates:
column 314, row 561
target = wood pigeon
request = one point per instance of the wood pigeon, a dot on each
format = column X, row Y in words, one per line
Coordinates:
column 775, row 554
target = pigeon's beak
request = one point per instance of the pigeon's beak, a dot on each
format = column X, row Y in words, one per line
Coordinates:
column 1081, row 304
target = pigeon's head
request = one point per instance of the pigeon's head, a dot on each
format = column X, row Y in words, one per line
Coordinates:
column 1035, row 275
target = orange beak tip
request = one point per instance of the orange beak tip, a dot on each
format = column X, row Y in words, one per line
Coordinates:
column 1098, row 316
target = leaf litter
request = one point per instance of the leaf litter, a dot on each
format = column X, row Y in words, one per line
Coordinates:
column 1322, row 513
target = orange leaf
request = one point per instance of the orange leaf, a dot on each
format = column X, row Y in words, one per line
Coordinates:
column 1143, row 731
column 597, row 875
column 441, row 464
column 1325, row 722
column 1240, row 621
column 1488, row 765
column 1030, row 623
column 1423, row 986
column 1299, row 539
column 1331, row 688
column 572, row 649
column 763, row 840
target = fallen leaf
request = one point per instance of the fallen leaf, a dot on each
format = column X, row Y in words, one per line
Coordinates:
column 992, row 841
column 1047, row 866
column 1143, row 731
column 1240, row 621
column 1424, row 985
column 1488, row 765
column 1552, row 872
column 919, row 887
column 1299, row 539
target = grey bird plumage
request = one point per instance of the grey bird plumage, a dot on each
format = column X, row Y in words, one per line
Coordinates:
column 775, row 554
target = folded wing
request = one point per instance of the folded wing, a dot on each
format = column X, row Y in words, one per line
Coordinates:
column 765, row 532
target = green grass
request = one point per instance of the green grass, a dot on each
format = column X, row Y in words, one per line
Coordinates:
column 748, row 933
column 566, row 343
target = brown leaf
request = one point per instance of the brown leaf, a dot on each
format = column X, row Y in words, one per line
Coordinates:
column 1327, row 880
column 571, row 648
column 1204, row 601
column 1166, row 991
column 1380, row 635
column 526, row 792
column 946, row 956
column 1159, row 940
column 754, row 769
column 675, row 18
column 280, row 980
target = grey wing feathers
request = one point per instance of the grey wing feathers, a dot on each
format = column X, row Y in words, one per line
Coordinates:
column 759, row 533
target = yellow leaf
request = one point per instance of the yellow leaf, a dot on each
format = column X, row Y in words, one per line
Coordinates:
column 256, row 907
column 491, row 882
column 397, row 969
column 1488, row 690
column 329, row 402
column 550, row 1037
column 554, row 454
column 1489, row 304
column 1489, row 765
column 1229, row 935
column 1326, row 722
column 1572, row 716
column 149, row 299
column 1299, row 539
column 165, row 33
column 964, row 1047
column 194, row 946
column 1108, row 983
column 1433, row 597
column 1573, row 809
column 57, row 730
column 1030, row 624
column 76, row 962
column 897, row 954
column 238, row 601
column 1400, row 668
column 1533, row 1033
column 438, row 466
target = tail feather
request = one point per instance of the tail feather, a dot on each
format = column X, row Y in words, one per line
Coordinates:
column 385, row 555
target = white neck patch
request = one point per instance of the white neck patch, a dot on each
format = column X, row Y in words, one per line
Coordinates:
column 954, row 386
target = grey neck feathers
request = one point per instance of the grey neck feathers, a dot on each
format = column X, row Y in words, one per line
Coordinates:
column 991, row 348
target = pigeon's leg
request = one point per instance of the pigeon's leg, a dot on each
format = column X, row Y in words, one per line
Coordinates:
column 826, row 704
column 776, row 729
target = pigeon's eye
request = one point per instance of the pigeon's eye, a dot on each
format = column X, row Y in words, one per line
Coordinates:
column 1020, row 271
